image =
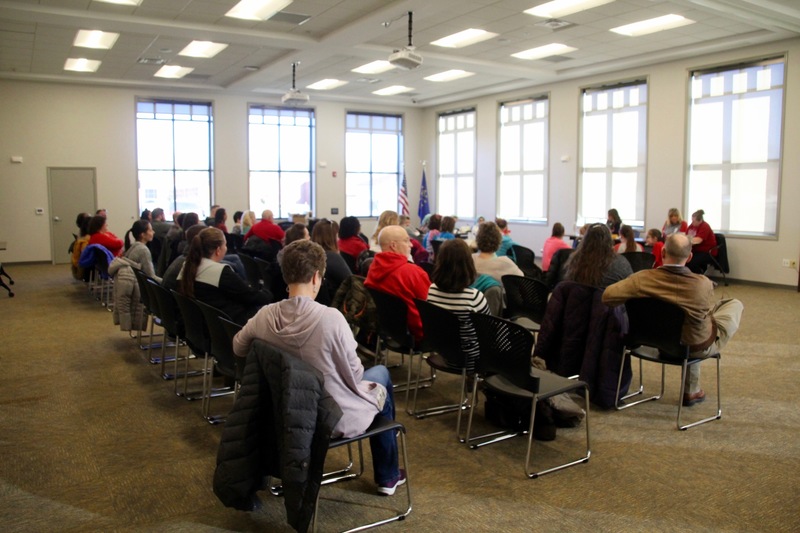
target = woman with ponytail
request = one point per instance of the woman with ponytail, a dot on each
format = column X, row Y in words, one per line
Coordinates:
column 205, row 278
column 138, row 252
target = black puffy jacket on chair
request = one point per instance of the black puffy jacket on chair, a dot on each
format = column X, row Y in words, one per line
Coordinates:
column 278, row 391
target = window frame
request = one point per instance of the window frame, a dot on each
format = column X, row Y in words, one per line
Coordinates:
column 457, row 176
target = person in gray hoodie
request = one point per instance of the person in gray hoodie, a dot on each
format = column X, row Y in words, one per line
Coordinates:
column 320, row 336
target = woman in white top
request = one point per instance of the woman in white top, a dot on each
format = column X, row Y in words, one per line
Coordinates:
column 486, row 261
column 138, row 252
column 627, row 241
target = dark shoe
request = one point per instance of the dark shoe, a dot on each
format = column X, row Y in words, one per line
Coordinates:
column 691, row 399
column 388, row 488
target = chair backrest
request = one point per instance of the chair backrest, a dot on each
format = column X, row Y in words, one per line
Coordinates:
column 435, row 245
column 557, row 268
column 168, row 307
column 152, row 299
column 525, row 259
column 264, row 271
column 144, row 295
column 392, row 318
column 640, row 260
column 194, row 322
column 101, row 263
column 428, row 267
column 251, row 269
column 525, row 297
column 505, row 349
column 350, row 261
column 443, row 332
column 221, row 346
column 722, row 253
column 656, row 323
column 234, row 241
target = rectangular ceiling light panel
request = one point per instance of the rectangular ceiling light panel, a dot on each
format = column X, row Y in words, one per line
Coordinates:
column 172, row 71
column 81, row 64
column 464, row 38
column 326, row 84
column 99, row 40
column 257, row 9
column 562, row 8
column 394, row 89
column 205, row 49
column 450, row 75
column 376, row 67
column 643, row 27
column 547, row 50
column 122, row 2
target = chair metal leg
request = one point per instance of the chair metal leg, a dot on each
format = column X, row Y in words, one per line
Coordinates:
column 620, row 404
column 441, row 409
column 717, row 416
column 489, row 438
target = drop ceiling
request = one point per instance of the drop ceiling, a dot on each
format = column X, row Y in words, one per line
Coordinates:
column 36, row 38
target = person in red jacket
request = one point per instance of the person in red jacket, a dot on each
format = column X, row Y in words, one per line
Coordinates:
column 703, row 241
column 266, row 229
column 99, row 234
column 393, row 272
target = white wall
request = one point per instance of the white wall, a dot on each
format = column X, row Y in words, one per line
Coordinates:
column 72, row 125
column 751, row 259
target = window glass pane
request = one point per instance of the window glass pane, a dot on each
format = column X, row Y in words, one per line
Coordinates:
column 447, row 151
column 192, row 191
column 264, row 192
column 358, row 195
column 593, row 196
column 447, row 197
column 750, row 130
column 510, row 185
column 534, row 152
column 625, row 146
column 357, row 151
column 155, row 189
column 465, row 151
column 532, row 197
column 595, row 144
column 295, row 192
column 706, row 134
column 466, row 197
column 154, row 144
column 295, row 148
column 384, row 192
column 623, row 194
column 384, row 153
column 510, row 147
column 263, row 147
column 191, row 145
column 705, row 192
column 748, row 209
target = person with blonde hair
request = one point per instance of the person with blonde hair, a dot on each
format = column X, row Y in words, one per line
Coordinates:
column 674, row 223
column 387, row 218
column 248, row 221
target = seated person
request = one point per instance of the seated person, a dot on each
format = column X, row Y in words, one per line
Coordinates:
column 296, row 232
column 320, row 336
column 447, row 229
column 703, row 240
column 237, row 223
column 387, row 218
column 220, row 217
column 487, row 261
column 170, row 278
column 674, row 223
column 594, row 262
column 392, row 272
column 614, row 222
column 350, row 242
column 82, row 221
column 654, row 242
column 452, row 276
column 507, row 242
column 434, row 225
column 324, row 234
column 266, row 229
column 627, row 241
column 138, row 252
column 206, row 278
column 553, row 244
column 99, row 234
column 248, row 221
column 405, row 223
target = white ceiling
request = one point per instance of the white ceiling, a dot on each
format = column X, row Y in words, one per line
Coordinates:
column 36, row 39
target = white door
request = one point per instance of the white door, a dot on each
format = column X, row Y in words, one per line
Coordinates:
column 72, row 191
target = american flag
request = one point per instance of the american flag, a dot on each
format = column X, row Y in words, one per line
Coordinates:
column 403, row 198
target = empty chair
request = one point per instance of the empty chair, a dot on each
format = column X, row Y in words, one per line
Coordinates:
column 526, row 300
column 222, row 357
column 504, row 366
column 197, row 339
column 654, row 334
column 149, row 311
column 251, row 269
column 640, row 260
column 719, row 257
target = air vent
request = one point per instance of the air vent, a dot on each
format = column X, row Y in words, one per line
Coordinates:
column 553, row 24
column 556, row 59
column 151, row 61
column 367, row 80
column 197, row 77
column 289, row 18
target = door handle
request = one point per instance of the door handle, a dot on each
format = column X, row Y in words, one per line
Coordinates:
column 56, row 219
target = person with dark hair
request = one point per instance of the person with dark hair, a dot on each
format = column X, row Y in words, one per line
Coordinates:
column 99, row 234
column 237, row 223
column 138, row 252
column 170, row 277
column 434, row 226
column 206, row 278
column 296, row 232
column 159, row 223
column 220, row 217
column 453, row 274
column 613, row 221
column 320, row 336
column 553, row 244
column 703, row 240
column 349, row 241
column 486, row 260
column 594, row 262
column 707, row 326
column 656, row 244
column 447, row 229
column 146, row 215
column 211, row 218
column 627, row 241
column 81, row 242
column 324, row 234
column 506, row 242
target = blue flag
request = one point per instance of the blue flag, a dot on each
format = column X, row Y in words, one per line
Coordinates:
column 424, row 208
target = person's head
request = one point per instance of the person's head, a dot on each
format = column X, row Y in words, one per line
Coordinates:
column 435, row 222
column 589, row 262
column 296, row 232
column 426, row 219
column 502, row 224
column 178, row 219
column 697, row 217
column 558, row 230
column 102, row 212
column 192, row 232
column 214, row 209
column 220, row 216
column 480, row 220
column 584, row 229
column 248, row 219
column 489, row 237
column 627, row 238
column 237, row 217
column 404, row 220
column 674, row 216
column 448, row 225
column 146, row 215
column 157, row 215
column 82, row 221
column 266, row 214
column 454, row 270
column 324, row 234
column 141, row 231
column 349, row 227
column 189, row 220
column 387, row 218
column 300, row 261
column 395, row 239
column 677, row 249
column 97, row 224
column 207, row 244
column 613, row 216
column 652, row 237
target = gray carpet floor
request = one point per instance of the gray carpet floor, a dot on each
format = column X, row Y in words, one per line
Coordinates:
column 92, row 439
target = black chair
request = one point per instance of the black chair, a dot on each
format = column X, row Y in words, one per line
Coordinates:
column 526, row 298
column 151, row 287
column 103, row 286
column 265, row 271
column 640, row 260
column 443, row 332
column 393, row 335
column 504, row 366
column 428, row 267
column 251, row 269
column 197, row 338
column 351, row 262
column 234, row 241
column 222, row 359
column 149, row 312
column 557, row 269
column 654, row 334
column 720, row 260
column 525, row 260
column 435, row 245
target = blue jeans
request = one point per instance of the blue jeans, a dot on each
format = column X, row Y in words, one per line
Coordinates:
column 384, row 445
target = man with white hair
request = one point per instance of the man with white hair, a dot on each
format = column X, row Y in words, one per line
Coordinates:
column 707, row 326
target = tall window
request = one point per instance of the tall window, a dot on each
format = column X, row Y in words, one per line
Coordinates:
column 456, row 188
column 735, row 122
column 613, row 153
column 523, row 160
column 174, row 155
column 374, row 163
column 281, row 143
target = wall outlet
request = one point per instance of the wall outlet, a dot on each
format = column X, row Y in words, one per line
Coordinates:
column 789, row 263
column 793, row 264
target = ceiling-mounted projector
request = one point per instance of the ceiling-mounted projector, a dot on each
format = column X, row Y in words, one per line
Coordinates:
column 406, row 57
column 294, row 97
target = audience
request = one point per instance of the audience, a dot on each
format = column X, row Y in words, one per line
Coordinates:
column 138, row 252
column 703, row 240
column 613, row 222
column 627, row 241
column 553, row 244
column 237, row 223
column 405, row 222
column 387, row 218
column 487, row 261
column 220, row 217
column 337, row 271
column 266, row 229
column 81, row 242
column 447, row 229
column 506, row 242
column 320, row 336
column 296, row 232
column 594, row 262
column 99, row 234
column 170, row 277
column 434, row 225
column 656, row 244
column 159, row 223
column 349, row 241
column 674, row 223
column 211, row 218
column 248, row 221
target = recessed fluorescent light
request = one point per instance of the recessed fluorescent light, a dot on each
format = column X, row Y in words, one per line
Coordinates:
column 561, row 8
column 326, row 84
column 206, row 49
column 394, row 89
column 547, row 50
column 97, row 39
column 643, row 27
column 173, row 71
column 122, row 2
column 449, row 75
column 464, row 38
column 376, row 67
column 257, row 9
column 81, row 64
